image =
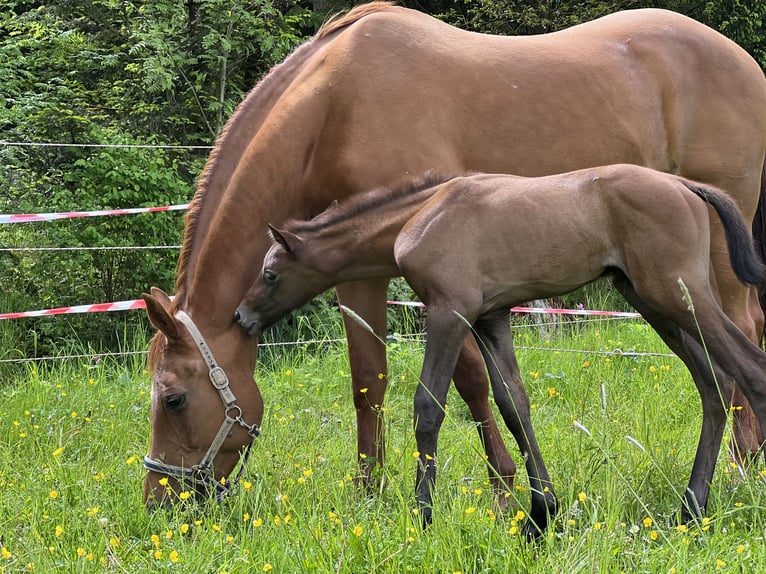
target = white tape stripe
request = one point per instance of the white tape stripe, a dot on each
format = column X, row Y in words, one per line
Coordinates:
column 544, row 310
column 31, row 217
column 139, row 304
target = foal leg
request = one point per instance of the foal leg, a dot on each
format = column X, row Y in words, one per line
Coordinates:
column 713, row 400
column 496, row 344
column 367, row 359
column 471, row 382
column 740, row 303
column 445, row 333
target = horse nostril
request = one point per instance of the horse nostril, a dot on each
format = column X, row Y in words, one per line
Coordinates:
column 237, row 316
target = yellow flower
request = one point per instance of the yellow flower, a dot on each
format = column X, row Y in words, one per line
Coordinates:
column 357, row 530
column 740, row 549
column 54, row 494
column 164, row 481
column 81, row 552
column 653, row 535
column 258, row 522
column 91, row 511
column 719, row 563
column 6, row 554
column 155, row 540
column 185, row 495
column 158, row 554
column 184, row 528
column 59, row 531
column 470, row 510
column 114, row 542
column 173, row 556
column 647, row 522
column 519, row 515
column 364, row 390
column 267, row 567
column 682, row 528
column 586, row 364
column 582, row 497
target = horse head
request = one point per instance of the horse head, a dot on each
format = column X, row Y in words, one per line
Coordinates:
column 205, row 406
column 289, row 278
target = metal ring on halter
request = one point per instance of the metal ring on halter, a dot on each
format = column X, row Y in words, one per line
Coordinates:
column 202, row 472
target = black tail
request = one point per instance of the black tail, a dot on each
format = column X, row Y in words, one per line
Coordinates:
column 759, row 235
column 747, row 265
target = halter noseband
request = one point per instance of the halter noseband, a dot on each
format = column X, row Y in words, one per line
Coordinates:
column 202, row 472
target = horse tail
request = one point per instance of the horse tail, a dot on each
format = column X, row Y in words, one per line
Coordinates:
column 747, row 264
column 759, row 234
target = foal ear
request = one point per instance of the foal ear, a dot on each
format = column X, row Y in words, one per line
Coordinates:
column 291, row 242
column 157, row 308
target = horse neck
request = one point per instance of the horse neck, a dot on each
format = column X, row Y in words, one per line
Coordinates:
column 361, row 246
column 225, row 237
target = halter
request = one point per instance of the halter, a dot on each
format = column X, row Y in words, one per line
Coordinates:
column 202, row 472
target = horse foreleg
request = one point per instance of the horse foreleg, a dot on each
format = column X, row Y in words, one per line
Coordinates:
column 471, row 383
column 367, row 359
column 445, row 334
column 496, row 344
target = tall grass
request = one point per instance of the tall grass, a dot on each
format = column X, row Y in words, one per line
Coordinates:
column 618, row 431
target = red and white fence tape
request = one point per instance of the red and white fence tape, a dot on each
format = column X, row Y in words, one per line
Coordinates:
column 93, row 308
column 139, row 304
column 31, row 217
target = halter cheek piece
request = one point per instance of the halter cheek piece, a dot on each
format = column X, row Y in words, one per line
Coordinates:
column 202, row 472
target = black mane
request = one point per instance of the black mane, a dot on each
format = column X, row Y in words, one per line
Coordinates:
column 368, row 201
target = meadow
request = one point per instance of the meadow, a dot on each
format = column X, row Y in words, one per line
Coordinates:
column 617, row 418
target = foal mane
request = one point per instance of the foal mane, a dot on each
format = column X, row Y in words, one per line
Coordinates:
column 238, row 131
column 364, row 203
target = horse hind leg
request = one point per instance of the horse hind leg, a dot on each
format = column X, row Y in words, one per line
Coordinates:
column 496, row 343
column 471, row 383
column 714, row 387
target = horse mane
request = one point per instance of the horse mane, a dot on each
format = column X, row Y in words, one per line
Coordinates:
column 233, row 135
column 342, row 20
column 362, row 203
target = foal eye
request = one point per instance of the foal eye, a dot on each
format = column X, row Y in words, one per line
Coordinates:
column 175, row 402
column 269, row 276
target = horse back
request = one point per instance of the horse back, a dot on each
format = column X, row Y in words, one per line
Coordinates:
column 649, row 87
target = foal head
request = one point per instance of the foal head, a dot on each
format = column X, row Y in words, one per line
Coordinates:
column 287, row 280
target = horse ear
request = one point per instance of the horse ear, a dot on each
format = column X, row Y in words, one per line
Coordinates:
column 158, row 310
column 291, row 242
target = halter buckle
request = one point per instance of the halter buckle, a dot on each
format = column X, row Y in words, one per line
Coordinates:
column 218, row 378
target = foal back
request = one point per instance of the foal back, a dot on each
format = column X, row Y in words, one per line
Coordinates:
column 499, row 240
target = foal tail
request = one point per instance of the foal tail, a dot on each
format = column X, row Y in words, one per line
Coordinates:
column 746, row 263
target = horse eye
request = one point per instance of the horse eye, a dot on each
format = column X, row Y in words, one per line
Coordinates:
column 269, row 276
column 175, row 402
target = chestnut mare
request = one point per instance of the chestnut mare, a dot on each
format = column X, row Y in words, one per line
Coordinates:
column 475, row 246
column 384, row 92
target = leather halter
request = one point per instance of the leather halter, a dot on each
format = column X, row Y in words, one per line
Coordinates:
column 202, row 472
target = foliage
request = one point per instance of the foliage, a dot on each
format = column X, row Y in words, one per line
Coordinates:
column 117, row 74
column 171, row 72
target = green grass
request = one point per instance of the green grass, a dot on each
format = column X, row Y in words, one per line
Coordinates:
column 73, row 433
